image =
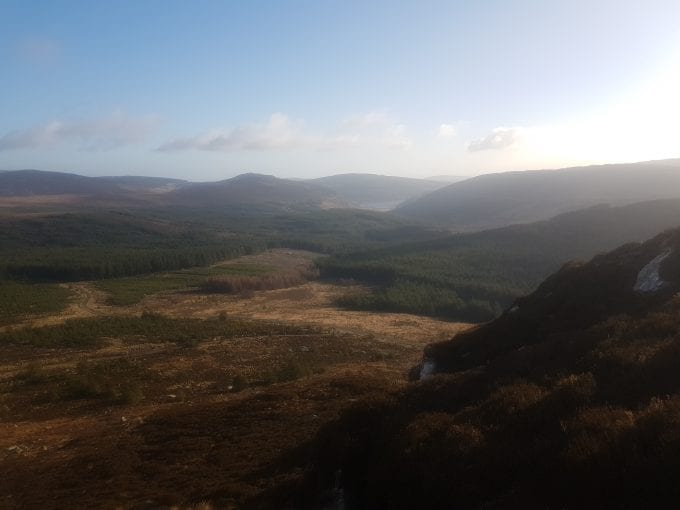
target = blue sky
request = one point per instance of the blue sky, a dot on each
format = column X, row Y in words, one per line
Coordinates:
column 206, row 90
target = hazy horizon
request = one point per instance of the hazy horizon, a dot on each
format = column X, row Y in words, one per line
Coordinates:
column 434, row 178
column 311, row 89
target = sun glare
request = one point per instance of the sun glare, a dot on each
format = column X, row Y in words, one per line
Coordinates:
column 639, row 124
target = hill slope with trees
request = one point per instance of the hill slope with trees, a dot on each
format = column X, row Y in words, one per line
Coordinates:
column 473, row 277
column 571, row 399
column 494, row 200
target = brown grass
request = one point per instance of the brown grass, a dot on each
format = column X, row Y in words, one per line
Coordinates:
column 224, row 423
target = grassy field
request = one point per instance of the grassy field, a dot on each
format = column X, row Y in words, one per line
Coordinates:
column 222, row 390
column 131, row 290
column 18, row 300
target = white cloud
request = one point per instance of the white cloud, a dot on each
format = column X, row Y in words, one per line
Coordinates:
column 447, row 131
column 376, row 127
column 40, row 50
column 280, row 132
column 500, row 138
column 95, row 134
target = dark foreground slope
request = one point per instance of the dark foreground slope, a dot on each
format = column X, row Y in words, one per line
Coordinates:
column 494, row 200
column 571, row 399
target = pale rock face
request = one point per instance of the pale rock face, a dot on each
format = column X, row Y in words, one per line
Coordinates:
column 427, row 370
column 648, row 279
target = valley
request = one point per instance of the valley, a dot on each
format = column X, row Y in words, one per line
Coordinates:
column 169, row 344
column 324, row 255
column 238, row 403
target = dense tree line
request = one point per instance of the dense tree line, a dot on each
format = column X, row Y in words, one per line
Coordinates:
column 474, row 276
column 108, row 244
column 71, row 264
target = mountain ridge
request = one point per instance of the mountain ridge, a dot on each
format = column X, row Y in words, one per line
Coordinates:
column 493, row 200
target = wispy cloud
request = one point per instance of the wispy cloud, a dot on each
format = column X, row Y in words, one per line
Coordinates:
column 280, row 132
column 40, row 50
column 376, row 127
column 500, row 138
column 447, row 131
column 94, row 134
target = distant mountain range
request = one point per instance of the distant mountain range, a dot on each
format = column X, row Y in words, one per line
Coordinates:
column 22, row 183
column 346, row 190
column 255, row 189
column 494, row 200
column 477, row 203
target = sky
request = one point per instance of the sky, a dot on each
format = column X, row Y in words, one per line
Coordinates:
column 206, row 90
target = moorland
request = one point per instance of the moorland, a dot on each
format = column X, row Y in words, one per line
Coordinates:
column 257, row 342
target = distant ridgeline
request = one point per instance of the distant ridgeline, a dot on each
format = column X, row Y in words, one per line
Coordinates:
column 496, row 200
column 473, row 277
column 571, row 399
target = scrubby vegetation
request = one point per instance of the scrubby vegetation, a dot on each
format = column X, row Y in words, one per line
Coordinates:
column 150, row 327
column 18, row 300
column 119, row 381
column 128, row 291
column 571, row 400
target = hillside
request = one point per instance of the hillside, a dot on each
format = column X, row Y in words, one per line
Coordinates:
column 244, row 192
column 372, row 191
column 474, row 276
column 249, row 189
column 20, row 183
column 571, row 399
column 254, row 189
column 36, row 182
column 494, row 200
column 85, row 243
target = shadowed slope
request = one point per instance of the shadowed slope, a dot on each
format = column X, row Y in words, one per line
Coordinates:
column 570, row 400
